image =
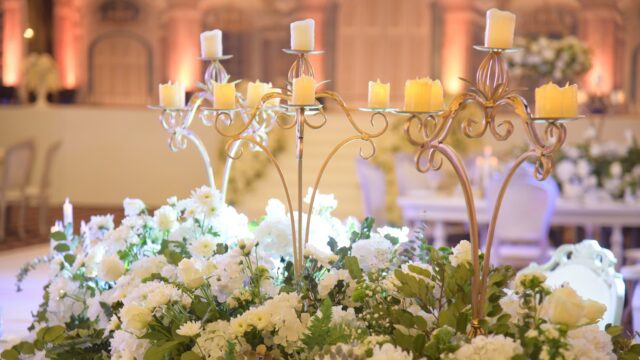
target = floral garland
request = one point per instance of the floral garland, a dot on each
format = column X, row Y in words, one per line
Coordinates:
column 552, row 59
column 600, row 171
column 197, row 280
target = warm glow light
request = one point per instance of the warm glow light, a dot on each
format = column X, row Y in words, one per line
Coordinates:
column 456, row 43
column 28, row 33
column 183, row 64
column 66, row 48
column 12, row 42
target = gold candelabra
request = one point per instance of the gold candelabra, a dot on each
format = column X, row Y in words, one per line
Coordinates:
column 425, row 130
column 490, row 92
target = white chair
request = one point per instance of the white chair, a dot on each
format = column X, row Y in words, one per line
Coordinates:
column 16, row 167
column 522, row 231
column 409, row 179
column 631, row 274
column 374, row 190
column 590, row 270
column 40, row 195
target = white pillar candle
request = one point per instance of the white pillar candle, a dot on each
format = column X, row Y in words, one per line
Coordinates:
column 172, row 96
column 67, row 212
column 224, row 96
column 553, row 101
column 423, row 95
column 378, row 95
column 255, row 92
column 302, row 35
column 499, row 29
column 211, row 44
column 304, row 91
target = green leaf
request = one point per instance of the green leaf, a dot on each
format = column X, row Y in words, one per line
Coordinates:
column 353, row 266
column 333, row 245
column 10, row 354
column 62, row 247
column 25, row 347
column 159, row 352
column 59, row 236
column 53, row 333
column 190, row 355
column 69, row 258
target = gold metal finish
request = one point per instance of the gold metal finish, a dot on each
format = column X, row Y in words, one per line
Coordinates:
column 489, row 92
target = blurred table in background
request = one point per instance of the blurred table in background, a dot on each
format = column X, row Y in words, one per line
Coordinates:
column 437, row 209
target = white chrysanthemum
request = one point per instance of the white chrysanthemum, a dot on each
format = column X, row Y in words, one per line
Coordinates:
column 166, row 218
column 203, row 247
column 322, row 203
column 206, row 200
column 589, row 343
column 135, row 318
column 229, row 276
column 117, row 239
column 330, row 280
column 146, row 266
column 190, row 273
column 274, row 232
column 133, row 207
column 111, row 268
column 389, row 351
column 98, row 226
column 62, row 300
column 231, row 225
column 212, row 343
column 190, row 328
column 495, row 347
column 126, row 346
column 461, row 253
column 402, row 234
column 373, row 254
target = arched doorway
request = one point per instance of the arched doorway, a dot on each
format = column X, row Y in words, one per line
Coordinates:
column 120, row 66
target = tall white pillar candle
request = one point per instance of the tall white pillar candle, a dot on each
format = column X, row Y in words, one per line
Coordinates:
column 211, row 44
column 67, row 212
column 172, row 96
column 304, row 91
column 255, row 92
column 302, row 35
column 499, row 29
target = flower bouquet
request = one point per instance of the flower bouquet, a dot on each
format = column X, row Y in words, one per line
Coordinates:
column 195, row 279
column 600, row 170
column 558, row 60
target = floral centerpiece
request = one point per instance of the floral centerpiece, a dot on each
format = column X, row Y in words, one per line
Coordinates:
column 559, row 60
column 600, row 170
column 198, row 280
column 41, row 76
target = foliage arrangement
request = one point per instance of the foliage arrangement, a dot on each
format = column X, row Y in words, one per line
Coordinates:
column 558, row 60
column 600, row 171
column 197, row 280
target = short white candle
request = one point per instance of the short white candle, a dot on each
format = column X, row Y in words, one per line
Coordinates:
column 224, row 96
column 67, row 212
column 499, row 29
column 302, row 35
column 304, row 91
column 211, row 44
column 378, row 95
column 255, row 92
column 275, row 102
column 172, row 96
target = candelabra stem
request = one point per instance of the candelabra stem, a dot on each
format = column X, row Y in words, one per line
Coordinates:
column 233, row 152
column 299, row 156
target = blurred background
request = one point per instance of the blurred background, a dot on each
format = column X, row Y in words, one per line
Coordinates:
column 77, row 76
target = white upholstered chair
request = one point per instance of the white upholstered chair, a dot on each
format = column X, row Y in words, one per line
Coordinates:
column 40, row 194
column 374, row 189
column 522, row 232
column 16, row 172
column 590, row 270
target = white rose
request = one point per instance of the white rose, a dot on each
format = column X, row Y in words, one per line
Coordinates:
column 374, row 253
column 583, row 168
column 166, row 218
column 563, row 306
column 190, row 273
column 133, row 207
column 111, row 268
column 593, row 311
column 461, row 253
column 616, row 169
column 135, row 318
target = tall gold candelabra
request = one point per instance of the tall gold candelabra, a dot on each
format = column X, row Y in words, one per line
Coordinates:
column 490, row 92
column 425, row 130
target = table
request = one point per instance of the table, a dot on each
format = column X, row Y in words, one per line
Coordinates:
column 421, row 206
